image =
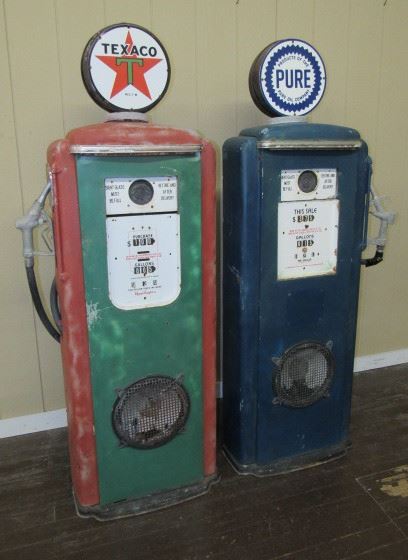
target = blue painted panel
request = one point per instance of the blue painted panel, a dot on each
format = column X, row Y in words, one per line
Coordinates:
column 241, row 244
column 263, row 317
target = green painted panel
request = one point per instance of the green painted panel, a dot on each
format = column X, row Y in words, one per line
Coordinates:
column 128, row 345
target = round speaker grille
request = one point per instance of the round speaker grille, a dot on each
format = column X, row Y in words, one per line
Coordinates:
column 150, row 412
column 305, row 374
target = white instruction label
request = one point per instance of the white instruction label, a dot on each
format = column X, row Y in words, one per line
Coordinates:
column 307, row 238
column 326, row 184
column 162, row 196
column 143, row 260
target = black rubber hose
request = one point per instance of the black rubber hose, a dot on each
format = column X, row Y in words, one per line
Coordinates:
column 376, row 259
column 54, row 305
column 32, row 282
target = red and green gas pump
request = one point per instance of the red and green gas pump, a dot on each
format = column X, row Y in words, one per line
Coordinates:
column 133, row 215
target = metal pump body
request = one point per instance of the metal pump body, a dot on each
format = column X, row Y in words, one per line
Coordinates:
column 295, row 207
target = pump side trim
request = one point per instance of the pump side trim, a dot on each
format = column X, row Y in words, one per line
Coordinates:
column 309, row 144
column 143, row 149
column 209, row 317
column 74, row 339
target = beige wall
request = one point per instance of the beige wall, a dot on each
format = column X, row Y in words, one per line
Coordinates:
column 211, row 44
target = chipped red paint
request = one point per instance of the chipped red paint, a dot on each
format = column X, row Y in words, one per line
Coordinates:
column 125, row 133
column 74, row 339
column 208, row 209
column 70, row 284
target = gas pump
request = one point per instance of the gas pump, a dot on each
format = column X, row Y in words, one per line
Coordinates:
column 296, row 198
column 133, row 215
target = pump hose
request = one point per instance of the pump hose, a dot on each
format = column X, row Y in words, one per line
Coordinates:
column 376, row 259
column 54, row 305
column 32, row 282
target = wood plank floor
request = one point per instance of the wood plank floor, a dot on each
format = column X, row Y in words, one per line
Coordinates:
column 353, row 508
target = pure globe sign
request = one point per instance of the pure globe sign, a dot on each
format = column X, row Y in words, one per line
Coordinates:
column 293, row 77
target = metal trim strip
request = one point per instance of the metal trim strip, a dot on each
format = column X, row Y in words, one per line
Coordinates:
column 309, row 144
column 142, row 149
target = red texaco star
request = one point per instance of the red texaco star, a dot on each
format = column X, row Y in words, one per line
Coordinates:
column 130, row 70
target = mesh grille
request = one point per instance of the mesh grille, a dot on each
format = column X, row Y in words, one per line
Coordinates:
column 150, row 412
column 305, row 374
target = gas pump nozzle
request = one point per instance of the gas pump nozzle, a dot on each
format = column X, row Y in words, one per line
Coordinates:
column 31, row 220
column 35, row 217
column 386, row 219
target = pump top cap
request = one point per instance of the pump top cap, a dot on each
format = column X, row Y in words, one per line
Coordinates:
column 288, row 77
column 125, row 68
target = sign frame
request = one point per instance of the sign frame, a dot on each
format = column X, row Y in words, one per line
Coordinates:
column 89, row 82
column 265, row 93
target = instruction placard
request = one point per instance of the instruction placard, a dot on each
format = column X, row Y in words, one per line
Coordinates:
column 307, row 238
column 118, row 200
column 143, row 260
column 326, row 184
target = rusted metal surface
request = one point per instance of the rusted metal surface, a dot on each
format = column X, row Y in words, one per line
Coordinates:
column 208, row 221
column 74, row 339
column 117, row 133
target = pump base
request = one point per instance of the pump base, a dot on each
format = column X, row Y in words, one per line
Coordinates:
column 146, row 504
column 297, row 463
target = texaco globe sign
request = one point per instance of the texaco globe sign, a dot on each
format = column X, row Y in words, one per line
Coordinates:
column 125, row 68
column 287, row 78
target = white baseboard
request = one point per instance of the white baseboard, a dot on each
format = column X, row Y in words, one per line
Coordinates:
column 58, row 418
column 384, row 359
column 33, row 423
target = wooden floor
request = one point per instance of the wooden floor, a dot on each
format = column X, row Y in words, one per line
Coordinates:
column 356, row 507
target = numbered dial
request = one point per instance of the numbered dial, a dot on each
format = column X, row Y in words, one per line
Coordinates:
column 141, row 192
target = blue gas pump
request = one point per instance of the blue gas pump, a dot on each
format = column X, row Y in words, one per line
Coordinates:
column 295, row 207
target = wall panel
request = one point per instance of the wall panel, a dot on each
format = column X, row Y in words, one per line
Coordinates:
column 256, row 28
column 19, row 372
column 331, row 20
column 211, row 45
column 364, row 45
column 295, row 18
column 130, row 11
column 38, row 118
column 175, row 24
column 77, row 107
column 383, row 317
column 216, row 94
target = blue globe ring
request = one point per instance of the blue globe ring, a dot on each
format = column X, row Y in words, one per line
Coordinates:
column 298, row 49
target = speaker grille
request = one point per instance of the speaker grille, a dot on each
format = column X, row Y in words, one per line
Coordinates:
column 150, row 412
column 305, row 374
